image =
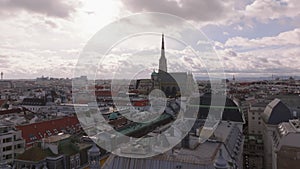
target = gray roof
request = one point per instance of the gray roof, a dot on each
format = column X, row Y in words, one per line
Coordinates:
column 179, row 77
column 231, row 111
column 276, row 112
column 291, row 101
column 202, row 155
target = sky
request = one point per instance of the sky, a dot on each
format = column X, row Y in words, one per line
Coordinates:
column 252, row 37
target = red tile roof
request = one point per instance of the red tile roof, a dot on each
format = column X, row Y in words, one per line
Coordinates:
column 36, row 131
column 103, row 93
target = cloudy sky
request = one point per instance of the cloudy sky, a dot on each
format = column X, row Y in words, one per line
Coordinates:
column 253, row 37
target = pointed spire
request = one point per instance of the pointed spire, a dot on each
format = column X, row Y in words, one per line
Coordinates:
column 162, row 42
column 162, row 60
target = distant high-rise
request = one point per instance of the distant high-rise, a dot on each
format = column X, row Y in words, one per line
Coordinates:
column 1, row 75
column 162, row 60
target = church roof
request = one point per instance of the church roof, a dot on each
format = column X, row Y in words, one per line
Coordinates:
column 179, row 77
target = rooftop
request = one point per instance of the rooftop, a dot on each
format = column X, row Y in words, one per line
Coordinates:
column 293, row 126
column 276, row 112
column 35, row 154
column 36, row 131
column 56, row 138
column 227, row 135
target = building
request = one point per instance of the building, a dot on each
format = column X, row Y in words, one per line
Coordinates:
column 34, row 104
column 275, row 113
column 55, row 152
column 11, row 142
column 253, row 152
column 254, row 118
column 6, row 84
column 35, row 132
column 94, row 157
column 227, row 139
column 286, row 147
column 172, row 83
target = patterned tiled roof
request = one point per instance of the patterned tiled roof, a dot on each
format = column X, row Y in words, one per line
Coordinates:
column 36, row 131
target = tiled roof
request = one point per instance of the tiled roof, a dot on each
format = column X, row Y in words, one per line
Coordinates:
column 34, row 102
column 36, row 131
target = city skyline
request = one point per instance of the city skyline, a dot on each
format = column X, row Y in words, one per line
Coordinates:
column 47, row 38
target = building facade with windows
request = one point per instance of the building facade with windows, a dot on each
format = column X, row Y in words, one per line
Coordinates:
column 11, row 143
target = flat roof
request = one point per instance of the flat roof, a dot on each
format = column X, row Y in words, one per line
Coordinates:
column 56, row 138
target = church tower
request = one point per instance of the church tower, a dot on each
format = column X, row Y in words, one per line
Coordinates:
column 162, row 60
column 94, row 157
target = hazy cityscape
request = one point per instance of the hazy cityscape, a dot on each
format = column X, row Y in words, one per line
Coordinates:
column 54, row 122
column 138, row 84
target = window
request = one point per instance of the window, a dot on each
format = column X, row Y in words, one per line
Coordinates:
column 77, row 158
column 259, row 148
column 253, row 118
column 8, row 148
column 178, row 166
column 7, row 140
column 259, row 122
column 19, row 146
column 72, row 163
column 6, row 157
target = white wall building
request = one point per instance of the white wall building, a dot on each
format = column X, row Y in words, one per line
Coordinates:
column 11, row 143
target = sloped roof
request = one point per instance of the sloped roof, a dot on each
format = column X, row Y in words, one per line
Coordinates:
column 34, row 102
column 30, row 131
column 231, row 111
column 276, row 112
column 179, row 77
column 35, row 154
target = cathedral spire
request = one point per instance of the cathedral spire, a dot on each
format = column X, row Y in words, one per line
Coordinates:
column 162, row 60
column 162, row 42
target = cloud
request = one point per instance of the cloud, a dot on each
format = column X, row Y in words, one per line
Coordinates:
column 265, row 61
column 51, row 23
column 283, row 39
column 213, row 10
column 4, row 62
column 52, row 8
column 220, row 12
column 265, row 10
